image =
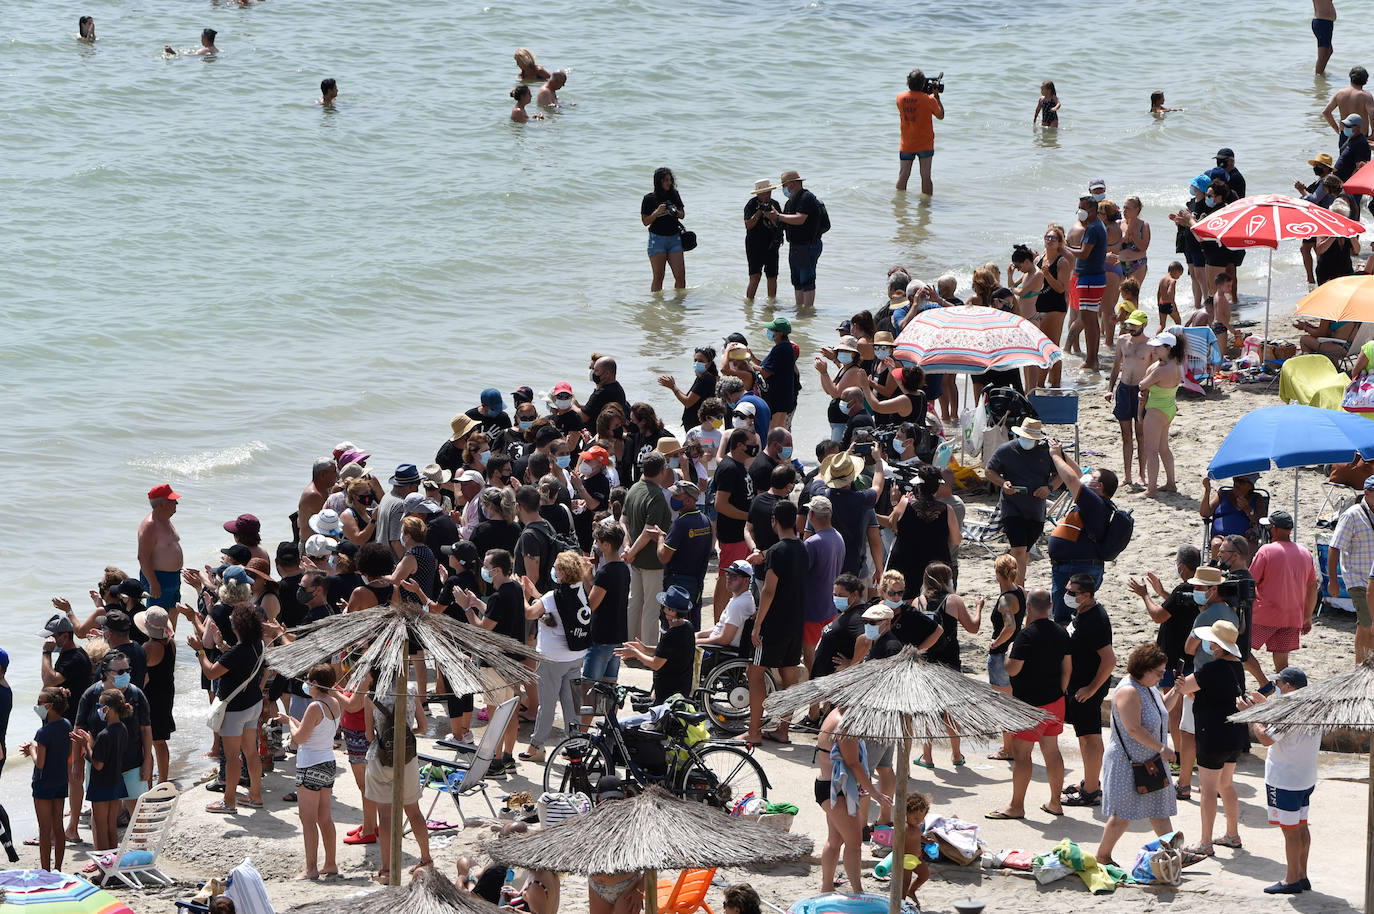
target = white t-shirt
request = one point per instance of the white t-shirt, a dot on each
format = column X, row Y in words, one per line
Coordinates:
column 738, row 611
column 551, row 642
column 1291, row 763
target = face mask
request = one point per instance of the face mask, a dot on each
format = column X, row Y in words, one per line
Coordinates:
column 674, row 462
column 587, row 468
column 619, row 432
column 41, row 711
column 122, row 681
column 1100, row 197
column 562, row 403
column 525, row 424
column 302, row 595
column 751, row 450
column 699, row 367
column 1347, row 131
column 593, row 377
column 717, row 424
column 1211, row 200
column 486, row 574
column 769, row 335
column 1200, row 597
column 553, row 576
column 1318, row 172
column 882, row 353
column 484, row 457
column 844, row 407
column 675, row 503
column 892, row 604
column 1082, row 215
column 740, row 422
column 1071, row 600
column 845, row 358
column 841, row 603
column 786, row 452
column 870, row 632
column 787, row 191
column 1086, row 479
column 1026, row 443
column 100, row 712
column 562, row 461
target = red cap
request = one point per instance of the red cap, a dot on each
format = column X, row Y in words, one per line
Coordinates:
column 562, row 387
column 597, row 455
column 162, row 491
column 244, row 523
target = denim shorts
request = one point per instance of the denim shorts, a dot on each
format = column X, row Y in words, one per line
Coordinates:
column 601, row 663
column 801, row 258
column 912, row 156
column 664, row 244
column 997, row 671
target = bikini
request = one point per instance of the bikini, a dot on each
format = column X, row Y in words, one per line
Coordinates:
column 1130, row 266
column 610, row 892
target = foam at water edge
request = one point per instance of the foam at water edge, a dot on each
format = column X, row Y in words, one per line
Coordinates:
column 202, row 464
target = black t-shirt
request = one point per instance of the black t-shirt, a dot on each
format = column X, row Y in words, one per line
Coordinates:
column 74, row 666
column 604, row 395
column 1174, row 631
column 666, row 224
column 138, row 661
column 449, row 456
column 677, row 646
column 448, row 593
column 704, row 386
column 1041, row 646
column 559, row 516
column 1220, row 683
column 495, row 534
column 111, row 744
column 764, row 234
column 837, row 640
column 293, row 612
column 761, row 516
column 609, row 620
column 1092, row 631
column 220, row 614
column 241, row 664
column 887, row 645
column 536, row 542
column 507, row 607
column 596, row 486
column 803, row 202
column 489, row 425
column 787, row 559
column 441, row 531
column 912, row 627
column 761, row 471
column 339, row 587
column 567, row 421
column 781, row 363
column 732, row 479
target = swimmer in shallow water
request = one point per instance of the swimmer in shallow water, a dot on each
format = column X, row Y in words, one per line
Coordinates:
column 1157, row 103
column 1047, row 106
column 529, row 69
column 207, row 46
column 85, row 29
column 329, row 90
column 521, row 94
column 548, row 93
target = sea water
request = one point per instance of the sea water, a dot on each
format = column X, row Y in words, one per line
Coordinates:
column 209, row 280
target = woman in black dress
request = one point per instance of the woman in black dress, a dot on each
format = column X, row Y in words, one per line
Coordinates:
column 927, row 531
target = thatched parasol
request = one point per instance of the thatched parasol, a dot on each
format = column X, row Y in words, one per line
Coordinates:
column 902, row 698
column 458, row 649
column 1342, row 702
column 653, row 831
column 430, row 892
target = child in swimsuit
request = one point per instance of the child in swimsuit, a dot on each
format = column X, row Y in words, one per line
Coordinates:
column 1047, row 106
column 1157, row 103
column 1165, row 294
column 1129, row 304
column 1221, row 305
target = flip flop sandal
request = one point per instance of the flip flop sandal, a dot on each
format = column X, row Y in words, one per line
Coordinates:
column 31, row 842
column 998, row 814
column 288, row 797
column 1183, row 793
column 1231, row 841
column 1045, row 807
column 1199, row 851
column 219, row 807
column 999, row 757
column 929, row 766
column 960, row 762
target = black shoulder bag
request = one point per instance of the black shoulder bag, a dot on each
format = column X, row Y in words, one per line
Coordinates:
column 1149, row 775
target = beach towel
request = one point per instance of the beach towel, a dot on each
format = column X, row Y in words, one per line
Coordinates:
column 1312, row 381
column 246, row 888
column 1100, row 880
column 1202, row 356
column 958, row 840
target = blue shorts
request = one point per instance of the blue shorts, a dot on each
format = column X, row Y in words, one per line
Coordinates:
column 664, row 244
column 997, row 671
column 134, row 785
column 1323, row 28
column 801, row 258
column 1126, row 402
column 1287, row 808
column 601, row 663
column 922, row 154
column 170, row 582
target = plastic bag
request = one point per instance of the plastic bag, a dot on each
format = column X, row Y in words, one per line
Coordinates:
column 972, row 422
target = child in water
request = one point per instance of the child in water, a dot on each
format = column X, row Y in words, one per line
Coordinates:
column 521, row 94
column 1157, row 103
column 1047, row 106
column 1166, row 293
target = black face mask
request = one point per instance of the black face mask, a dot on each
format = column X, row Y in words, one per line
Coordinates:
column 619, row 432
column 751, row 450
column 303, row 595
column 596, row 379
column 1321, row 173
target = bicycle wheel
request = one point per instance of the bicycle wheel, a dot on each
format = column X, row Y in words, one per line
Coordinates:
column 720, row 775
column 562, row 774
column 727, row 695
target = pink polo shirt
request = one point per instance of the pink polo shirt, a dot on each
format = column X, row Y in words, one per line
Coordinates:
column 1283, row 573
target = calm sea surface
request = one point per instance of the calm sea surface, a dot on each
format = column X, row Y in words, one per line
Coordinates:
column 209, row 280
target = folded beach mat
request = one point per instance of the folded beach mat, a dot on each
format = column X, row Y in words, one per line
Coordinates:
column 1312, row 381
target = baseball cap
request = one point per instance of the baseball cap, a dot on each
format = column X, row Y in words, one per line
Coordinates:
column 1369, row 483
column 1097, row 182
column 412, row 503
column 1225, row 152
column 244, row 523
column 1281, row 519
column 236, row 574
column 745, row 408
column 1201, row 182
column 469, row 476
column 4, row 659
column 288, row 553
column 779, row 323
column 237, row 554
column 491, row 399
column 319, row 545
column 57, row 624
column 347, row 547
column 686, row 488
column 117, row 620
column 596, row 455
column 163, row 491
column 1294, row 676
column 546, row 434
column 463, row 551
column 130, row 587
column 1353, row 120
column 1139, row 318
column 562, row 387
column 740, row 567
column 522, row 394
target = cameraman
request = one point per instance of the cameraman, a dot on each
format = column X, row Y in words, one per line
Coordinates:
column 916, row 106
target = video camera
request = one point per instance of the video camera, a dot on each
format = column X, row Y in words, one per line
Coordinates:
column 934, row 85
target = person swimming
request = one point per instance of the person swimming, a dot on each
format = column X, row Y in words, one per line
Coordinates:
column 85, row 29
column 1157, row 103
column 207, row 46
column 529, row 69
column 329, row 90
column 521, row 94
column 548, row 93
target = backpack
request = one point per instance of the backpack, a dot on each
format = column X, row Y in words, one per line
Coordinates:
column 1117, row 536
column 557, row 542
column 822, row 218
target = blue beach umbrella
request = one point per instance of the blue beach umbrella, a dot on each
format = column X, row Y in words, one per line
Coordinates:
column 1292, row 436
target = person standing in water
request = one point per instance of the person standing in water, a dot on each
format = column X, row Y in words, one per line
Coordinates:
column 85, row 29
column 1047, row 106
column 917, row 106
column 329, row 90
column 661, row 211
column 207, row 46
column 521, row 94
column 530, row 71
column 548, row 93
column 1323, row 25
column 159, row 549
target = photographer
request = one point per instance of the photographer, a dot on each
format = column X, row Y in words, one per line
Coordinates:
column 661, row 211
column 762, row 238
column 916, row 106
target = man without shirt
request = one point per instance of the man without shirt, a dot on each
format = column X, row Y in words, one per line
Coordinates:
column 1323, row 25
column 207, row 45
column 1353, row 99
column 1132, row 358
column 548, row 93
column 324, row 472
column 159, row 549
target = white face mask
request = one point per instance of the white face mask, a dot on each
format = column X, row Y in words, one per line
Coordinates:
column 740, row 422
column 587, row 468
column 1026, row 443
column 1086, row 479
column 1071, row 600
column 1082, row 215
column 562, row 404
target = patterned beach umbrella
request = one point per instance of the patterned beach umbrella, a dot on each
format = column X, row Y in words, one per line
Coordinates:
column 973, row 339
column 42, row 892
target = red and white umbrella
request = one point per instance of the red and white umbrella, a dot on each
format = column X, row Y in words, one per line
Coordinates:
column 1362, row 181
column 1266, row 220
column 974, row 339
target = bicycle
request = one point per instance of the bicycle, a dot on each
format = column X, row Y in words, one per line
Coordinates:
column 714, row 772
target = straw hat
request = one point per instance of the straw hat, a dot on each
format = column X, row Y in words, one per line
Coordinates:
column 1223, row 634
column 1208, row 576
column 763, row 186
column 668, row 447
column 789, row 175
column 840, row 470
column 462, row 425
column 883, row 338
column 1030, row 428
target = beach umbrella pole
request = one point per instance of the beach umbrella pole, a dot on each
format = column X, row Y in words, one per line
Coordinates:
column 1268, row 291
column 398, row 767
column 651, row 892
column 898, row 872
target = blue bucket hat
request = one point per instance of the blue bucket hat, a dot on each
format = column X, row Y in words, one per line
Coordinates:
column 406, row 474
column 1201, row 182
column 677, row 599
column 236, row 574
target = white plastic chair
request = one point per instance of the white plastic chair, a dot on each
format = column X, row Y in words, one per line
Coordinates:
column 143, row 840
column 466, row 777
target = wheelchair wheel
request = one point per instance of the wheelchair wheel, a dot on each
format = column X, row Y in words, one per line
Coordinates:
column 575, row 764
column 727, row 695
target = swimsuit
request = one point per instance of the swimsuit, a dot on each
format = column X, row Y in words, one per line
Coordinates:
column 610, row 892
column 1126, row 402
column 1166, row 307
column 1323, row 28
column 1163, row 399
column 1129, row 266
column 1050, row 300
column 1048, row 117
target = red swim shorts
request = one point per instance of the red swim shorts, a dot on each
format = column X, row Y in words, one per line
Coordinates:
column 1052, row 727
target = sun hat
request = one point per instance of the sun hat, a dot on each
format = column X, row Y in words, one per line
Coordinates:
column 405, row 475
column 1323, row 158
column 491, row 399
column 789, row 175
column 1221, row 633
column 1164, row 339
column 685, row 488
column 319, row 546
column 462, row 426
column 244, row 523
column 57, row 624
column 1281, row 519
column 117, row 620
column 1294, row 676
column 435, row 474
column 163, row 491
column 839, row 470
column 668, row 447
column 1201, row 182
column 1033, row 429
column 1138, row 318
column 878, row 613
column 676, row 598
column 352, row 456
column 737, row 351
column 741, row 568
column 779, row 323
column 152, row 622
column 883, row 338
column 235, row 574
column 1208, row 576
column 763, row 186
column 847, row 343
column 328, row 523
column 259, row 568
column 352, row 471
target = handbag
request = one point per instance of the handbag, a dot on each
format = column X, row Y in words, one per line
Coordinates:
column 220, row 706
column 689, row 239
column 1149, row 775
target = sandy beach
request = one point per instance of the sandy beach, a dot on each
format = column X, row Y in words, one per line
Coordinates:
column 204, row 845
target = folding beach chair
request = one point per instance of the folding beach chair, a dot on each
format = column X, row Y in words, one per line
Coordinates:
column 135, row 860
column 1057, row 406
column 1201, row 359
column 459, row 777
column 687, row 893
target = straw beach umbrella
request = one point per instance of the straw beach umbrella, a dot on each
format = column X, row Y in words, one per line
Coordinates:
column 458, row 649
column 1341, row 702
column 653, row 831
column 430, row 892
column 902, row 698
